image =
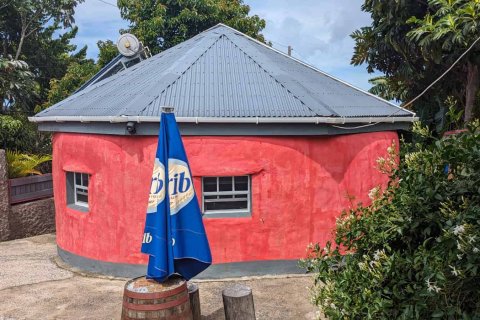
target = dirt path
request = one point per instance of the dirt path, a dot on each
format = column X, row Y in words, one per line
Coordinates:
column 33, row 286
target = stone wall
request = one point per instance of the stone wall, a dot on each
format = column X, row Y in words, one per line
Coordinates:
column 25, row 219
column 4, row 201
column 32, row 218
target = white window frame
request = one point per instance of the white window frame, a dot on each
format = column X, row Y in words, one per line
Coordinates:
column 233, row 192
column 79, row 188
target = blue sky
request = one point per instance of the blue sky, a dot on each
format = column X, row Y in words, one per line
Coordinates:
column 318, row 30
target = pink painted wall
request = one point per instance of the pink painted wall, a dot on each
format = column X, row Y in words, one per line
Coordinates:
column 299, row 187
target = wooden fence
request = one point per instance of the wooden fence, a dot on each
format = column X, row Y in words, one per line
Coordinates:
column 30, row 188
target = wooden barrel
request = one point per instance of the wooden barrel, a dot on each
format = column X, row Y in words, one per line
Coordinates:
column 147, row 299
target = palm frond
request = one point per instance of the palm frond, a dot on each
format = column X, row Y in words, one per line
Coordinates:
column 22, row 165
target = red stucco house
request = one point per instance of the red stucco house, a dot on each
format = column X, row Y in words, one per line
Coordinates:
column 277, row 149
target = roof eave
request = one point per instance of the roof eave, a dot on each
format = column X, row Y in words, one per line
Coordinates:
column 255, row 120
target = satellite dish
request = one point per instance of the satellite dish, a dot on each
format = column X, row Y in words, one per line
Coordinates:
column 128, row 45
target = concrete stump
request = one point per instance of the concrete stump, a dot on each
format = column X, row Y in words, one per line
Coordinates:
column 238, row 303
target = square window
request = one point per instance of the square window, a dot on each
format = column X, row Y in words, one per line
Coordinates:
column 77, row 190
column 226, row 196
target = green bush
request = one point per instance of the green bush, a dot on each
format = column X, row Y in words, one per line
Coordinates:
column 414, row 252
column 17, row 133
column 22, row 164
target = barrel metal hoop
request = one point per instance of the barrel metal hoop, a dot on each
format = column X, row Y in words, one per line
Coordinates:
column 185, row 315
column 155, row 307
column 155, row 295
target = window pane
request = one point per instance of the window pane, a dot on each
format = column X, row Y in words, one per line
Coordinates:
column 241, row 183
column 225, row 196
column 209, row 184
column 211, row 197
column 244, row 196
column 82, row 197
column 85, row 179
column 231, row 205
column 82, row 190
column 78, row 178
column 225, row 184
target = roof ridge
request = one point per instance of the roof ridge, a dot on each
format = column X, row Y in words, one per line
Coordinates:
column 311, row 67
column 268, row 73
column 325, row 106
column 182, row 73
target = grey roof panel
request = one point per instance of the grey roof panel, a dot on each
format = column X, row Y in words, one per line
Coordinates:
column 232, row 86
column 223, row 73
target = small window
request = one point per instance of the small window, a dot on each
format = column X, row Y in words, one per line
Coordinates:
column 226, row 196
column 77, row 190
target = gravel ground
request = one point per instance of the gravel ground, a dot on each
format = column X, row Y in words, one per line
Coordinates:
column 35, row 285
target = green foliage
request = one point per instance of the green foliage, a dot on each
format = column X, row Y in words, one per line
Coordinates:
column 22, row 165
column 444, row 34
column 414, row 252
column 17, row 133
column 9, row 127
column 16, row 81
column 161, row 24
column 396, row 45
column 39, row 33
column 108, row 51
column 76, row 75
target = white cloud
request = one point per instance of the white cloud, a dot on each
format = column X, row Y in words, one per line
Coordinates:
column 97, row 20
column 319, row 32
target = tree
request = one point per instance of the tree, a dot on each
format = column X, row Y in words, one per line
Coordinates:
column 387, row 46
column 161, row 24
column 78, row 72
column 17, row 85
column 33, row 32
column 444, row 33
column 108, row 51
column 34, row 15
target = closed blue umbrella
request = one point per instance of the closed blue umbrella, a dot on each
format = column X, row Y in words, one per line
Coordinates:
column 174, row 234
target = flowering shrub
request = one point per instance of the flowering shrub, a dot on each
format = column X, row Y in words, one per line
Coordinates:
column 414, row 253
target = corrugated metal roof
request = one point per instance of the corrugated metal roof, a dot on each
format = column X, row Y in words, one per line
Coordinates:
column 223, row 73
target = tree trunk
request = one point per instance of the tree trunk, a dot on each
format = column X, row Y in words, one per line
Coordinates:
column 20, row 44
column 471, row 91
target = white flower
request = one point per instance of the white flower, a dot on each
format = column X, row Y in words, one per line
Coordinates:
column 333, row 306
column 454, row 271
column 373, row 194
column 411, row 157
column 378, row 254
column 471, row 239
column 381, row 161
column 459, row 256
column 458, row 230
column 475, row 250
column 431, row 286
column 459, row 245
